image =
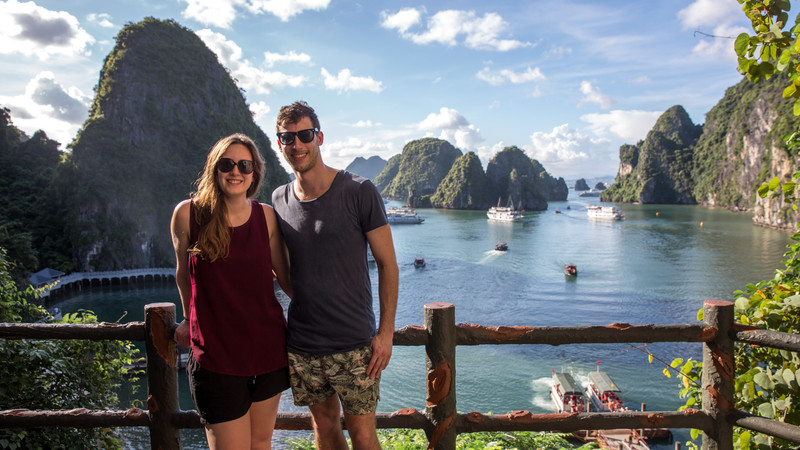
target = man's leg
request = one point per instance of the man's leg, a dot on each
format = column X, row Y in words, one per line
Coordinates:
column 362, row 431
column 328, row 434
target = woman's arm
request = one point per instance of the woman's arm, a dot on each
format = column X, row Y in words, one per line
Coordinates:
column 278, row 252
column 179, row 227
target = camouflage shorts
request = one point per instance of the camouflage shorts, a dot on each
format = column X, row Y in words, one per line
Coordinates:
column 315, row 379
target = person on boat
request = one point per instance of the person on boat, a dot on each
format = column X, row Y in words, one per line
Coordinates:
column 228, row 248
column 336, row 354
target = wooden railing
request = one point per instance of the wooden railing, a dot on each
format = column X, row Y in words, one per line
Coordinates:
column 440, row 336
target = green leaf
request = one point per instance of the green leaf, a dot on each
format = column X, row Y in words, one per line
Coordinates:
column 774, row 183
column 764, row 380
column 788, row 187
column 766, row 410
column 796, row 109
column 741, row 305
column 744, row 439
column 741, row 44
column 790, row 91
column 763, row 190
column 695, row 433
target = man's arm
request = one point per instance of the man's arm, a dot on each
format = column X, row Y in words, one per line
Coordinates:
column 380, row 240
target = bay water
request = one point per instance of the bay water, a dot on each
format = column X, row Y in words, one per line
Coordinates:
column 656, row 266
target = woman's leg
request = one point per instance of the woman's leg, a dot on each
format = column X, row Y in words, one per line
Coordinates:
column 233, row 434
column 262, row 422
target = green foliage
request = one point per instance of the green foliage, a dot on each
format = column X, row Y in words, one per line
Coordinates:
column 464, row 187
column 58, row 374
column 423, row 165
column 404, row 439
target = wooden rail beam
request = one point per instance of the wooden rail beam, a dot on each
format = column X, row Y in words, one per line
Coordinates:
column 132, row 331
column 471, row 334
column 77, row 418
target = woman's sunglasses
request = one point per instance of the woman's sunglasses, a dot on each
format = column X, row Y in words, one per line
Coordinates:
column 225, row 165
column 305, row 136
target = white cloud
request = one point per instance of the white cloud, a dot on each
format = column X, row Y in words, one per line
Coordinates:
column 271, row 58
column 453, row 128
column 28, row 29
column 506, row 76
column 345, row 81
column 340, row 154
column 703, row 13
column 593, row 95
column 365, row 124
column 446, row 27
column 721, row 19
column 247, row 75
column 222, row 13
column 632, row 126
column 721, row 45
column 401, row 20
column 49, row 106
column 102, row 19
column 259, row 110
column 565, row 152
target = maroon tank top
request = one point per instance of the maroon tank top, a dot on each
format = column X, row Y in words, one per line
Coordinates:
column 237, row 325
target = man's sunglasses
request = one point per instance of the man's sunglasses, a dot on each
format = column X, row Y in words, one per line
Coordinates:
column 225, row 165
column 305, row 136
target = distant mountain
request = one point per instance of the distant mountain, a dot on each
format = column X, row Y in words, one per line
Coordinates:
column 423, row 165
column 464, row 187
column 367, row 168
column 163, row 99
column 658, row 169
column 432, row 173
column 720, row 163
column 581, row 185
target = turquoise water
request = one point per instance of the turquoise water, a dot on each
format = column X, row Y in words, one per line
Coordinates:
column 655, row 267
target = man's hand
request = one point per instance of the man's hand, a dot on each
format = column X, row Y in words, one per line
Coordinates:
column 182, row 336
column 381, row 353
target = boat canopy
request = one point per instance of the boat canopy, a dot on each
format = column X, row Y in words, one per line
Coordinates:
column 603, row 382
column 568, row 384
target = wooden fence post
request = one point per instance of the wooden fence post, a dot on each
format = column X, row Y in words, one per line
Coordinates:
column 718, row 374
column 440, row 365
column 162, row 375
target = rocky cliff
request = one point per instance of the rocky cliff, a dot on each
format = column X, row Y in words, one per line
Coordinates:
column 740, row 147
column 513, row 174
column 422, row 166
column 367, row 168
column 161, row 102
column 464, row 187
column 658, row 169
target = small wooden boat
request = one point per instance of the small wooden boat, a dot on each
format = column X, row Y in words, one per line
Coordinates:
column 501, row 246
column 419, row 262
column 570, row 270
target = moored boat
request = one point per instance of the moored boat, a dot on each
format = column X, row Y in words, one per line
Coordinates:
column 566, row 394
column 403, row 215
column 603, row 393
column 604, row 212
column 504, row 213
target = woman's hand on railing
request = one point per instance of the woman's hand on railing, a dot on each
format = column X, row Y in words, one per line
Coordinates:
column 182, row 336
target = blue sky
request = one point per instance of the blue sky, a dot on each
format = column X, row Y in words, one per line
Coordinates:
column 567, row 81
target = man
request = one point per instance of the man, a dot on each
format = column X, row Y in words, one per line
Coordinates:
column 328, row 217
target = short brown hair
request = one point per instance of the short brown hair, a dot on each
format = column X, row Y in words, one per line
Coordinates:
column 294, row 113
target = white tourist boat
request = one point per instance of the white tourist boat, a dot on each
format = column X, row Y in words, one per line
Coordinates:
column 604, row 212
column 403, row 215
column 603, row 393
column 566, row 394
column 504, row 213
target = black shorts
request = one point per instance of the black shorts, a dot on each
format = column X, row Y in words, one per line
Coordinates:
column 221, row 398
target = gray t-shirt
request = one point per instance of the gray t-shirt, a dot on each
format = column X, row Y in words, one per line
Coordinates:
column 331, row 311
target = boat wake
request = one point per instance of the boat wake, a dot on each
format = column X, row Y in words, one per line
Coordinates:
column 490, row 255
column 541, row 393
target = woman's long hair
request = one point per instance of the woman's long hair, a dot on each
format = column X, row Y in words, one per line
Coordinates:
column 210, row 211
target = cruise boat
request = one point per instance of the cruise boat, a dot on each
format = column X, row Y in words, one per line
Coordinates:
column 603, row 393
column 604, row 212
column 403, row 215
column 590, row 193
column 504, row 213
column 566, row 394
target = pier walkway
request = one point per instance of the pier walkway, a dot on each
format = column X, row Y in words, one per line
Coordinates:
column 77, row 280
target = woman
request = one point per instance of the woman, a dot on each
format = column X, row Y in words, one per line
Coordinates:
column 228, row 248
